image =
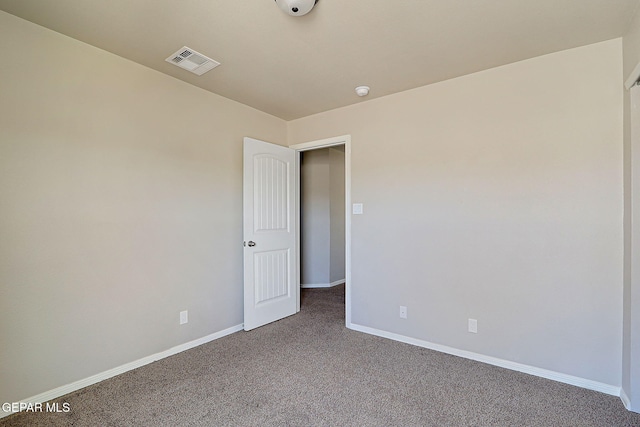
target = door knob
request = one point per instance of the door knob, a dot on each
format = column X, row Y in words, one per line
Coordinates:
column 251, row 243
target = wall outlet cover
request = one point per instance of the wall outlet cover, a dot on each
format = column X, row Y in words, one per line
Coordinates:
column 403, row 312
column 473, row 326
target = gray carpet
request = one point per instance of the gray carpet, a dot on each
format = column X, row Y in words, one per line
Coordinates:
column 310, row 370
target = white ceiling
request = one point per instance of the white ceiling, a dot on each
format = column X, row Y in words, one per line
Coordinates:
column 292, row 67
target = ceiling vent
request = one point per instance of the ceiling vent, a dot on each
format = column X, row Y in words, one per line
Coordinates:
column 193, row 61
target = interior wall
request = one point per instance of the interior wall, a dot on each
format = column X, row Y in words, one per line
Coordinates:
column 121, row 201
column 315, row 227
column 495, row 196
column 322, row 180
column 631, row 340
column 337, row 209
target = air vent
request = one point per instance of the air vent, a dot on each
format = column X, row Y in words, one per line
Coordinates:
column 193, row 61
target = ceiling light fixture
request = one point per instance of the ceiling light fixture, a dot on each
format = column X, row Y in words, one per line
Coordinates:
column 296, row 7
column 362, row 90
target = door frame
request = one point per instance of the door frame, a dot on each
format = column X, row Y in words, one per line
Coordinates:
column 314, row 145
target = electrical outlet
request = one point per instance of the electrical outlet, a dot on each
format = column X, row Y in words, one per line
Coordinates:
column 184, row 317
column 473, row 326
column 403, row 312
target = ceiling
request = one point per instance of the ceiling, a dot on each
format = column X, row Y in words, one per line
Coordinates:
column 292, row 67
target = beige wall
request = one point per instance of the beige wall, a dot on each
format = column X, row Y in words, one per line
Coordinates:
column 315, row 226
column 631, row 343
column 495, row 196
column 336, row 194
column 121, row 205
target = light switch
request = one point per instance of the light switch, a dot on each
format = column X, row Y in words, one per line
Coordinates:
column 358, row 209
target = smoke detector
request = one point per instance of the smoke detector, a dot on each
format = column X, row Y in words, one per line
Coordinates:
column 296, row 7
column 362, row 90
column 193, row 61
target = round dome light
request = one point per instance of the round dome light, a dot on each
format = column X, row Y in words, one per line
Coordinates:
column 296, row 7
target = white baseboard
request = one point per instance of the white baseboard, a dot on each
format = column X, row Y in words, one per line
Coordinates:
column 625, row 399
column 77, row 385
column 531, row 370
column 322, row 285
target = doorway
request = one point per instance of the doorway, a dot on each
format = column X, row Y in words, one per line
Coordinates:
column 322, row 207
column 340, row 147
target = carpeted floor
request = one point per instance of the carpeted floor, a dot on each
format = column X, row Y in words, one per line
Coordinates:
column 309, row 370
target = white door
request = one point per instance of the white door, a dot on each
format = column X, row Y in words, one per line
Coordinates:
column 270, row 264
